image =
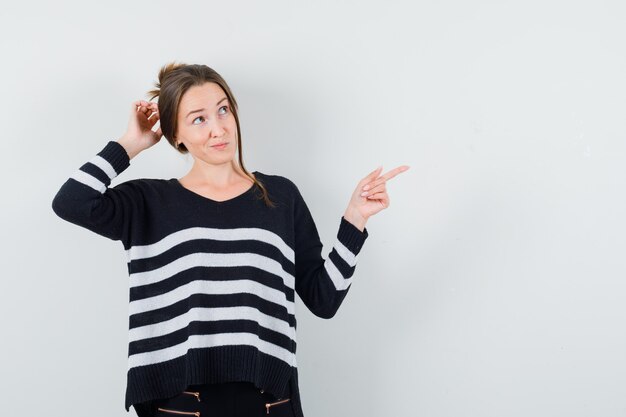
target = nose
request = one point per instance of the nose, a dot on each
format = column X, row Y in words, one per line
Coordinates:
column 217, row 129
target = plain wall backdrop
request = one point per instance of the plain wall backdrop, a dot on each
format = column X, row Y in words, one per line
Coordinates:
column 492, row 286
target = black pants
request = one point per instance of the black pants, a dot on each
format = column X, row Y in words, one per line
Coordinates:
column 230, row 399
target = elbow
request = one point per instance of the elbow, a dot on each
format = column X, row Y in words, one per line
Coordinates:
column 321, row 296
column 326, row 315
column 63, row 206
column 326, row 312
column 323, row 304
column 57, row 205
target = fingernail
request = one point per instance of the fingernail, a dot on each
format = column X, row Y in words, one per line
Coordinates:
column 367, row 187
column 364, row 193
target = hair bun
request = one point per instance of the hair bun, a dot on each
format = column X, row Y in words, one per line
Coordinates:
column 165, row 71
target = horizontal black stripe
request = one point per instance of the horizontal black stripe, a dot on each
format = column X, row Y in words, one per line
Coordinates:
column 96, row 172
column 209, row 300
column 211, row 327
column 212, row 246
column 213, row 273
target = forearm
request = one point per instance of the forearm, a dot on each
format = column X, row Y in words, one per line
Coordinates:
column 87, row 200
column 322, row 284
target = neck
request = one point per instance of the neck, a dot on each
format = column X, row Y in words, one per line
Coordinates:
column 217, row 176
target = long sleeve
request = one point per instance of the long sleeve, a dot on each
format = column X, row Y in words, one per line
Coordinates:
column 322, row 284
column 86, row 200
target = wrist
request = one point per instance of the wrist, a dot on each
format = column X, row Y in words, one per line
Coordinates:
column 356, row 219
column 127, row 146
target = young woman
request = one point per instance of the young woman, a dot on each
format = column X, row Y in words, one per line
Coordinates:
column 214, row 258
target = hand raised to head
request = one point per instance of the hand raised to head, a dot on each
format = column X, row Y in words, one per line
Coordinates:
column 139, row 134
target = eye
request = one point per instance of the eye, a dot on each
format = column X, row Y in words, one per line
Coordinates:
column 202, row 117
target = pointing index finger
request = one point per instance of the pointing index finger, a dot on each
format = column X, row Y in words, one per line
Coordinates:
column 390, row 174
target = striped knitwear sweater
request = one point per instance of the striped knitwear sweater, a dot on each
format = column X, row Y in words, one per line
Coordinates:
column 211, row 283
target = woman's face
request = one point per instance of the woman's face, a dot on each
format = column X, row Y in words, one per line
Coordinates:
column 204, row 120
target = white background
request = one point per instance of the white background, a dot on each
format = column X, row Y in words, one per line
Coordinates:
column 492, row 286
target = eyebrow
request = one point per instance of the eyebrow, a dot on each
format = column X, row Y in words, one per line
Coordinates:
column 199, row 110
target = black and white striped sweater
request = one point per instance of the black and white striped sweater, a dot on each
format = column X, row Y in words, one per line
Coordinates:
column 211, row 283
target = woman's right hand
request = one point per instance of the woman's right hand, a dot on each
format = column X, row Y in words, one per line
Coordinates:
column 139, row 135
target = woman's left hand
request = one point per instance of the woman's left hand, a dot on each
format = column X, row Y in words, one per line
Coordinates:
column 362, row 207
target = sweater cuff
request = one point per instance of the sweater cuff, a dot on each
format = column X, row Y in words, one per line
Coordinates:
column 351, row 236
column 116, row 155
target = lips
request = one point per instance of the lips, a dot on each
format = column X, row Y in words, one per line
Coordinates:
column 219, row 144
